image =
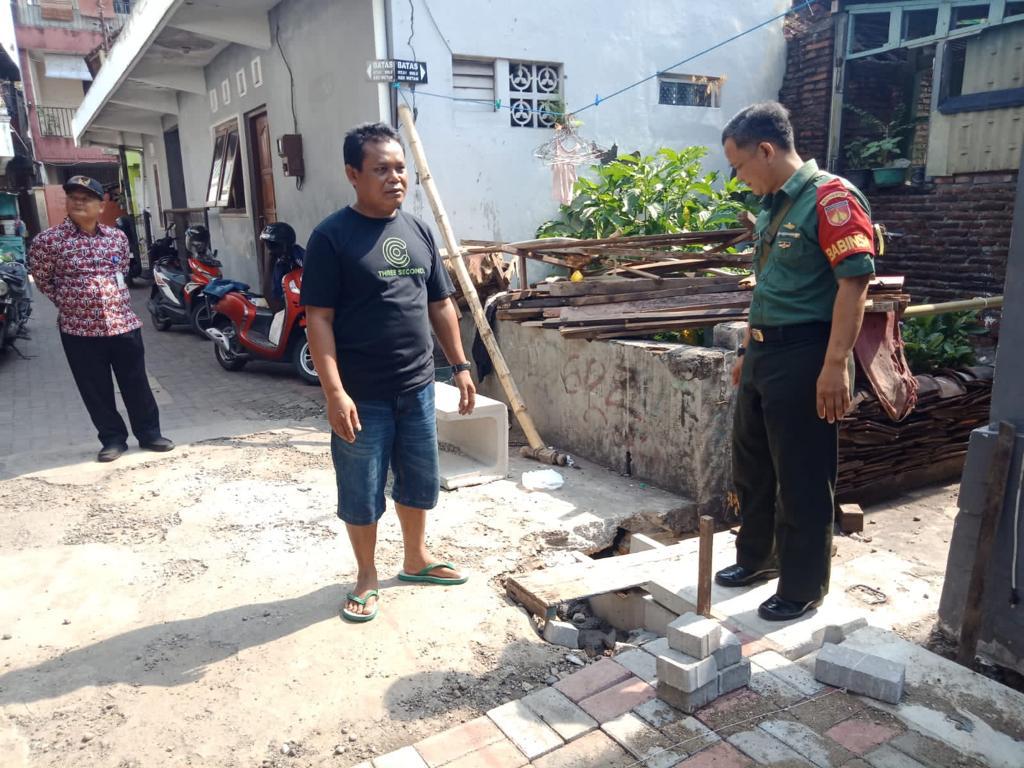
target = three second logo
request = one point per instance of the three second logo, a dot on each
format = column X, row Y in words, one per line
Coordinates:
column 396, row 252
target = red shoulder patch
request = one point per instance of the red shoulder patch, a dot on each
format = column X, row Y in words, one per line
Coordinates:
column 844, row 228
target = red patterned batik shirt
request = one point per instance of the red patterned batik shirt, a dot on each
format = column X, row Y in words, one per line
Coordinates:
column 85, row 277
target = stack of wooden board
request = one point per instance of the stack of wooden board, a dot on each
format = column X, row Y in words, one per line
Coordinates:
column 874, row 451
column 621, row 307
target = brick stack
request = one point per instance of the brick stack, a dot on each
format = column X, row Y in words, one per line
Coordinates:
column 807, row 86
column 698, row 661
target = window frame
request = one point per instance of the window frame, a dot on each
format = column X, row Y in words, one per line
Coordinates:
column 226, row 182
column 713, row 82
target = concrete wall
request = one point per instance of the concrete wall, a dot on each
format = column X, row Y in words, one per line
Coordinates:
column 327, row 44
column 493, row 187
column 663, row 410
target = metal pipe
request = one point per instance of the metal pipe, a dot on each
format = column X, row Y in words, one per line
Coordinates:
column 922, row 310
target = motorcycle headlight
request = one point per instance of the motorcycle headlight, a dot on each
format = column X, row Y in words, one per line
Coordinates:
column 4, row 288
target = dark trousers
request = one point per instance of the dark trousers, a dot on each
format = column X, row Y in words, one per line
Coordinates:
column 784, row 464
column 91, row 359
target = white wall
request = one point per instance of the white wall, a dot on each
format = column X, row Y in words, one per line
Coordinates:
column 492, row 186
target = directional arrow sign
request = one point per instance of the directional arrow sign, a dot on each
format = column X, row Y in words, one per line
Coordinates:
column 396, row 71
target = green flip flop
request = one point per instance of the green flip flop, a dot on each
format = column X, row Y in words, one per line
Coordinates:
column 359, row 618
column 424, row 577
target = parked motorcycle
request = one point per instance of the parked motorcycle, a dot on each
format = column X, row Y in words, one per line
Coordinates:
column 176, row 297
column 243, row 325
column 15, row 302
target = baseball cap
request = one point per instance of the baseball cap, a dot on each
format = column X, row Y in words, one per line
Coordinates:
column 84, row 183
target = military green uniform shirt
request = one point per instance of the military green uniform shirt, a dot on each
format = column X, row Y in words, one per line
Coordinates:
column 826, row 234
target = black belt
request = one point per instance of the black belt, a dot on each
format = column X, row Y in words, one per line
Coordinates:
column 798, row 332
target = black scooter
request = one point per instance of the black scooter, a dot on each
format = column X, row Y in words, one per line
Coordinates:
column 15, row 302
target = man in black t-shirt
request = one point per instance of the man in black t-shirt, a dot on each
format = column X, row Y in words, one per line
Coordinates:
column 373, row 286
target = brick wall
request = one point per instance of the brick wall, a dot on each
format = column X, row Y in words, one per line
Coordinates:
column 955, row 234
column 807, row 86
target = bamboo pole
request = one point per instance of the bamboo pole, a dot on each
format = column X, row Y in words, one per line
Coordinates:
column 537, row 447
column 991, row 302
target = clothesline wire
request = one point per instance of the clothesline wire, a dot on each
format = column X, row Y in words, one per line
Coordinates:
column 598, row 99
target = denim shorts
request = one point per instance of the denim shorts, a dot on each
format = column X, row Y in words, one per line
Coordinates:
column 400, row 432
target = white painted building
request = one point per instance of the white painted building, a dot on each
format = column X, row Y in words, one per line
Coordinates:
column 185, row 80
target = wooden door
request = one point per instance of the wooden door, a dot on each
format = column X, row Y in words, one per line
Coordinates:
column 263, row 170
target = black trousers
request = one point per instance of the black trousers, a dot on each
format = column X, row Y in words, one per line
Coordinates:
column 92, row 358
column 784, row 463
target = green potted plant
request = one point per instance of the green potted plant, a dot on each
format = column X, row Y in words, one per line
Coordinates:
column 880, row 151
column 857, row 169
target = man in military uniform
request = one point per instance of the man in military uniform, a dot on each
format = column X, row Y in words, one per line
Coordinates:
column 813, row 261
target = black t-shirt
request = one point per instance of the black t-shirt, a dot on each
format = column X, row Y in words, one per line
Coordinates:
column 378, row 275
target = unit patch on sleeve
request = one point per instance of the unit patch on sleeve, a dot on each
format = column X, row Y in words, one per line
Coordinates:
column 844, row 228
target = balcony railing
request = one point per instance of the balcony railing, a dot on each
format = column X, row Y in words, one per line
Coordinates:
column 66, row 15
column 55, row 121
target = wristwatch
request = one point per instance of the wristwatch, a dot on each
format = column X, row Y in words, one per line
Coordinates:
column 460, row 367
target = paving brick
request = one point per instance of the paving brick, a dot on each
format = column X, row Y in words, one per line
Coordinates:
column 592, row 679
column 406, row 757
column 778, row 665
column 640, row 663
column 643, row 741
column 810, row 745
column 721, row 755
column 617, row 700
column 729, row 650
column 525, row 729
column 887, row 757
column 771, row 687
column 694, row 635
column 658, row 713
column 690, row 734
column 765, row 749
column 733, row 677
column 501, row 754
column 595, row 750
column 824, row 712
column 862, row 673
column 861, row 735
column 563, row 633
column 446, row 746
column 688, row 701
column 685, row 673
column 932, row 752
column 656, row 616
column 742, row 706
column 560, row 712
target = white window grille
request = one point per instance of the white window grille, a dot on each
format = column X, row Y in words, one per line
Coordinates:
column 535, row 94
column 690, row 90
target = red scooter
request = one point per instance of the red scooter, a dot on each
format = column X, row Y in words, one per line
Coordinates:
column 176, row 297
column 243, row 325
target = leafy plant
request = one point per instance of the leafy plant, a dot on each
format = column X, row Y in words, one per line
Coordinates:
column 880, row 151
column 934, row 342
column 656, row 194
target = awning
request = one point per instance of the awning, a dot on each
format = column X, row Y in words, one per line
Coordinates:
column 66, row 67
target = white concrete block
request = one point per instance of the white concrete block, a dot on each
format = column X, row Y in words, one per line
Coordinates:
column 563, row 633
column 765, row 749
column 729, row 650
column 640, row 543
column 657, row 713
column 406, row 757
column 558, row 711
column 793, row 674
column 860, row 672
column 478, row 442
column 640, row 663
column 642, row 741
column 656, row 616
column 694, row 635
column 887, row 757
column 733, row 677
column 688, row 702
column 623, row 610
column 525, row 729
column 802, row 740
column 684, row 672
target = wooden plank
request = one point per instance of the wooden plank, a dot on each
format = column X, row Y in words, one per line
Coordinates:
column 579, row 316
column 542, row 591
column 601, row 285
column 995, row 495
column 707, row 533
column 712, row 236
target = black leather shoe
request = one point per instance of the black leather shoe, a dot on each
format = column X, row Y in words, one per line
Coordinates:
column 159, row 444
column 777, row 608
column 738, row 576
column 111, row 452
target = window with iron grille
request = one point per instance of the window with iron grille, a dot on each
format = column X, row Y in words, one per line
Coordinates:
column 473, row 79
column 690, row 90
column 535, row 94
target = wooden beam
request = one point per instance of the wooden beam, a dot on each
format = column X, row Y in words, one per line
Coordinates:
column 707, row 535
